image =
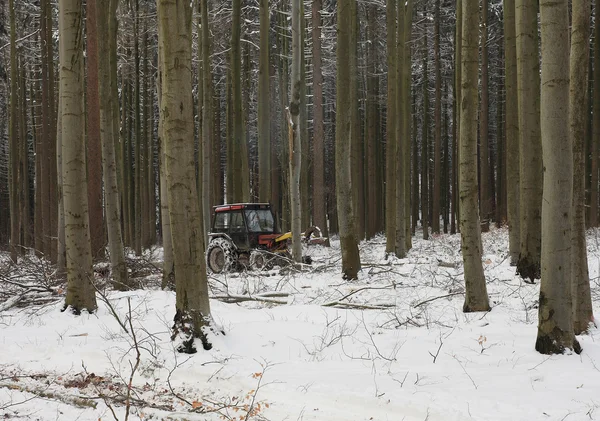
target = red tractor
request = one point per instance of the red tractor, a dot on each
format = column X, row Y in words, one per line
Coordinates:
column 244, row 235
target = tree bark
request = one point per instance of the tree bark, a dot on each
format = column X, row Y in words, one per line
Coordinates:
column 579, row 56
column 528, row 82
column 437, row 153
column 595, row 140
column 295, row 132
column 264, row 98
column 512, row 134
column 348, row 240
column 14, row 142
column 192, row 305
column 319, row 204
column 400, row 237
column 390, row 182
column 106, row 18
column 80, row 291
column 94, row 148
column 555, row 322
column 476, row 298
column 484, row 148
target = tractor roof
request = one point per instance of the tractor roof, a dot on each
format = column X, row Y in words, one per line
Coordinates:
column 237, row 206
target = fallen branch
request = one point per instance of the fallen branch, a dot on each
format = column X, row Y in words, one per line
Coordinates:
column 234, row 298
column 79, row 401
column 437, row 298
column 338, row 304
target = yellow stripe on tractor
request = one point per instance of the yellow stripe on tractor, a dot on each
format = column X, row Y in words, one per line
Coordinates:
column 283, row 237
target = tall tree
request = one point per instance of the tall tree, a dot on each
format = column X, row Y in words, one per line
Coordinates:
column 425, row 145
column 80, row 291
column 476, row 298
column 485, row 197
column 400, row 248
column 264, row 129
column 107, row 19
column 240, row 172
column 371, row 117
column 348, row 240
column 14, row 141
column 437, row 154
column 512, row 133
column 579, row 57
column 295, row 132
column 595, row 140
column 318, row 160
column 94, row 148
column 390, row 163
column 207, row 129
column 192, row 305
column 555, row 326
column 530, row 146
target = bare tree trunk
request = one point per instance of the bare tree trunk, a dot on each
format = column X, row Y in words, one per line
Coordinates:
column 437, row 154
column 579, row 56
column 484, row 171
column 264, row 98
column 390, row 182
column 240, row 181
column 476, row 298
column 207, row 128
column 595, row 139
column 295, row 142
column 14, row 142
column 80, row 291
column 400, row 247
column 106, row 17
column 457, row 111
column 512, row 134
column 319, row 205
column 348, row 240
column 61, row 257
column 425, row 146
column 192, row 305
column 94, row 148
column 530, row 144
column 371, row 125
column 555, row 325
column 406, row 98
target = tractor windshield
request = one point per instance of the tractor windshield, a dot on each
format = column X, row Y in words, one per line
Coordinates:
column 259, row 220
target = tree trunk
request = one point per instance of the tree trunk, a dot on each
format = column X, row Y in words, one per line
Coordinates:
column 530, row 150
column 390, row 182
column 94, row 148
column 240, row 175
column 264, row 99
column 579, row 56
column 319, row 204
column 192, row 305
column 207, row 129
column 485, row 198
column 425, row 146
column 348, row 240
column 295, row 143
column 555, row 325
column 106, row 18
column 80, row 291
column 400, row 237
column 476, row 298
column 406, row 98
column 437, row 153
column 14, row 142
column 456, row 114
column 512, row 134
column 595, row 140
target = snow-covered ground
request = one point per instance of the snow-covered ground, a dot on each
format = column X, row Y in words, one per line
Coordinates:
column 393, row 345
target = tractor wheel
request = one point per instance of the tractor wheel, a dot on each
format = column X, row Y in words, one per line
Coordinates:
column 220, row 255
column 260, row 260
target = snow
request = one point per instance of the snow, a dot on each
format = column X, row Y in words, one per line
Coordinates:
column 412, row 355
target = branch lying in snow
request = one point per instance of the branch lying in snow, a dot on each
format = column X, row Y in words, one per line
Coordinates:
column 79, row 401
column 265, row 298
column 338, row 304
column 437, row 298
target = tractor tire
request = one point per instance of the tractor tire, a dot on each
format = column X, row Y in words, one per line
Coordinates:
column 260, row 260
column 221, row 256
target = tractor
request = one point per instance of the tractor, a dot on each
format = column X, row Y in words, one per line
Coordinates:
column 245, row 236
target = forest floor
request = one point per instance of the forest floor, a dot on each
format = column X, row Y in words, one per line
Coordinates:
column 394, row 345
